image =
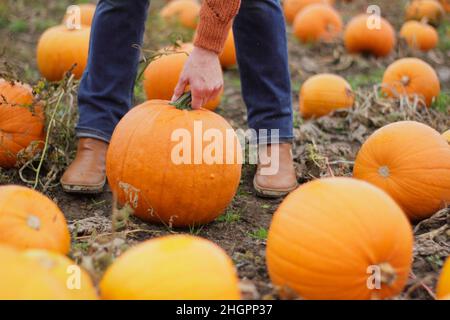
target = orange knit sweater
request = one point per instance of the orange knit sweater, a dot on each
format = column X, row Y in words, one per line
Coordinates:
column 215, row 22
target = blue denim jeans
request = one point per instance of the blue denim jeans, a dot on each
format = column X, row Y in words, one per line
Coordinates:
column 106, row 89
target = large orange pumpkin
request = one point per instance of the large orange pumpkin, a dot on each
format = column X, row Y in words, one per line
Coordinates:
column 362, row 37
column 443, row 286
column 21, row 122
column 29, row 219
column 22, row 279
column 86, row 12
column 429, row 11
column 419, row 35
column 60, row 50
column 177, row 267
column 446, row 135
column 317, row 22
column 228, row 56
column 293, row 7
column 339, row 238
column 411, row 77
column 411, row 162
column 158, row 163
column 323, row 93
column 162, row 74
column 62, row 268
column 184, row 12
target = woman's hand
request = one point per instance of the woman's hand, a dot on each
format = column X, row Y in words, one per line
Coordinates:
column 203, row 73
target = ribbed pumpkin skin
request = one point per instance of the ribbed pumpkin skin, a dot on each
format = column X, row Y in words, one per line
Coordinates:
column 323, row 93
column 443, row 286
column 317, row 22
column 419, row 35
column 186, row 12
column 58, row 265
column 87, row 11
column 141, row 172
column 29, row 219
column 228, row 56
column 59, row 49
column 161, row 76
column 21, row 121
column 325, row 236
column 359, row 38
column 293, row 7
column 23, row 279
column 177, row 267
column 446, row 135
column 411, row 162
column 411, row 77
column 429, row 10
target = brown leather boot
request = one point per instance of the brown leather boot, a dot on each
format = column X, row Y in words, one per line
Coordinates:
column 275, row 176
column 86, row 174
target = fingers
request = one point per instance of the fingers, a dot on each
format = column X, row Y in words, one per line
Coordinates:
column 203, row 94
column 179, row 89
column 198, row 98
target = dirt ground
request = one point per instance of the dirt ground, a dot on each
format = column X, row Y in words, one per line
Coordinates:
column 323, row 147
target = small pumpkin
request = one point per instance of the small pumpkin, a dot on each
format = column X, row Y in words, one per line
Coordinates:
column 411, row 77
column 443, row 286
column 419, row 35
column 162, row 74
column 446, row 135
column 157, row 163
column 292, row 7
column 323, row 93
column 430, row 11
column 28, row 219
column 21, row 122
column 411, row 162
column 62, row 268
column 61, row 50
column 361, row 37
column 311, row 251
column 446, row 5
column 23, row 279
column 228, row 56
column 184, row 12
column 176, row 267
column 317, row 22
column 86, row 12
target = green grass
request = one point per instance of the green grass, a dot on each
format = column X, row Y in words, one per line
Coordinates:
column 230, row 216
column 442, row 103
column 360, row 80
column 444, row 35
column 18, row 26
column 259, row 234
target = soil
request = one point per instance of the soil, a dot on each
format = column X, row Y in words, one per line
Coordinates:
column 324, row 147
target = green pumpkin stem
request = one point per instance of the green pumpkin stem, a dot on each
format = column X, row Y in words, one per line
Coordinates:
column 184, row 102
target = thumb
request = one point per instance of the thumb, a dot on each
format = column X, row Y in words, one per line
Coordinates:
column 179, row 89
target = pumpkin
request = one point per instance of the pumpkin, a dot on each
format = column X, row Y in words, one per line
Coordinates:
column 292, row 7
column 361, row 37
column 443, row 286
column 61, row 268
column 228, row 56
column 28, row 219
column 429, row 11
column 60, row 50
column 86, row 12
column 446, row 135
column 419, row 35
column 411, row 77
column 323, row 93
column 162, row 74
column 176, row 267
column 445, row 5
column 160, row 163
column 317, row 22
column 21, row 122
column 311, row 251
column 23, row 279
column 184, row 12
column 410, row 161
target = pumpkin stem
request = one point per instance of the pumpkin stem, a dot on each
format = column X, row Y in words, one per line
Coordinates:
column 384, row 171
column 184, row 102
column 405, row 80
column 388, row 273
column 34, row 222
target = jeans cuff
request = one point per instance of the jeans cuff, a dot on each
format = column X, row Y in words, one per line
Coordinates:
column 92, row 133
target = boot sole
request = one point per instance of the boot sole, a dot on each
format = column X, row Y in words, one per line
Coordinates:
column 79, row 189
column 271, row 193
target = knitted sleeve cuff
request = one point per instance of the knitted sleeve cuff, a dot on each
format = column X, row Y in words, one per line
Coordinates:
column 215, row 22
